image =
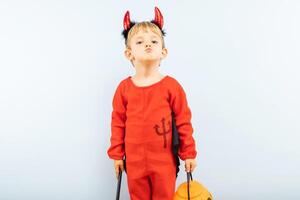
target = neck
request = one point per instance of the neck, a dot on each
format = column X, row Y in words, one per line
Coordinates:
column 147, row 69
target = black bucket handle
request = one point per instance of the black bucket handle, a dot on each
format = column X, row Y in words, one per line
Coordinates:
column 119, row 185
column 189, row 178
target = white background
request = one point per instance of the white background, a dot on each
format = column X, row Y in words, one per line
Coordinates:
column 60, row 62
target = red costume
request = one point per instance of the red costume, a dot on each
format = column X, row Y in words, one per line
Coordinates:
column 141, row 132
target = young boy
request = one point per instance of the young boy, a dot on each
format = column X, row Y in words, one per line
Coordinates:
column 142, row 116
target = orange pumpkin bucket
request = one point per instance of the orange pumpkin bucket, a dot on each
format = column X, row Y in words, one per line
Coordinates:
column 192, row 190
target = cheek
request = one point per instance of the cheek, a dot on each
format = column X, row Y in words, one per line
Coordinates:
column 138, row 51
column 135, row 52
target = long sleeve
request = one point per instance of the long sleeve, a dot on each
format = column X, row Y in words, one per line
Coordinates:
column 182, row 112
column 116, row 150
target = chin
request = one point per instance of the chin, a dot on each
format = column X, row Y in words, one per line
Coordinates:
column 150, row 58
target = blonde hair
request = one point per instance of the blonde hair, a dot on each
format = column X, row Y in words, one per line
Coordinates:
column 144, row 26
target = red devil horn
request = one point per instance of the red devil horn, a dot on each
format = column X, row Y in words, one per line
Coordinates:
column 126, row 21
column 159, row 19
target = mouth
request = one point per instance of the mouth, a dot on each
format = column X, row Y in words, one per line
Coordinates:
column 148, row 50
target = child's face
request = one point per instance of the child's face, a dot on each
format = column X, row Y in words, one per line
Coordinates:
column 145, row 45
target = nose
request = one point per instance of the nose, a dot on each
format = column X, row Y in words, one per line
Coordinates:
column 148, row 45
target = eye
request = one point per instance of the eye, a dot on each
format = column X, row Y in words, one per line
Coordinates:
column 154, row 42
column 139, row 42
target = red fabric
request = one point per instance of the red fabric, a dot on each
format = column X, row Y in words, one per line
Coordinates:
column 157, row 185
column 141, row 127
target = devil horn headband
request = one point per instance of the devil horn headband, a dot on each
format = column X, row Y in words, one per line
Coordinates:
column 126, row 21
column 128, row 24
column 159, row 19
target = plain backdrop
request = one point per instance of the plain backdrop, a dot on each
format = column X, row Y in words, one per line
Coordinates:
column 61, row 61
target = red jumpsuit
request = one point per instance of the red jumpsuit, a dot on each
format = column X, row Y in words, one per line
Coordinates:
column 141, row 129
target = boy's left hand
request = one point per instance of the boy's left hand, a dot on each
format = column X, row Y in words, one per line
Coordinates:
column 190, row 165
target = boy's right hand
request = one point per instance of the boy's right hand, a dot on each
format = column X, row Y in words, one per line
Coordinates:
column 119, row 165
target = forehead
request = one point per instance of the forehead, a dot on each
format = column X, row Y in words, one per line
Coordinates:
column 145, row 33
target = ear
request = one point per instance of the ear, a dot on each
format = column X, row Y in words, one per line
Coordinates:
column 128, row 54
column 164, row 53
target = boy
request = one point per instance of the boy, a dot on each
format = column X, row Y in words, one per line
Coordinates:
column 141, row 117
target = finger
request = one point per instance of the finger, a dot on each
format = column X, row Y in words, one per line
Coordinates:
column 188, row 167
column 193, row 167
column 117, row 172
column 122, row 167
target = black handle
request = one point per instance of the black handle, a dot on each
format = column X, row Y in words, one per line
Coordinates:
column 189, row 177
column 119, row 185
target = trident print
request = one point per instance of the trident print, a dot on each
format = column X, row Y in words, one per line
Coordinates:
column 164, row 131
